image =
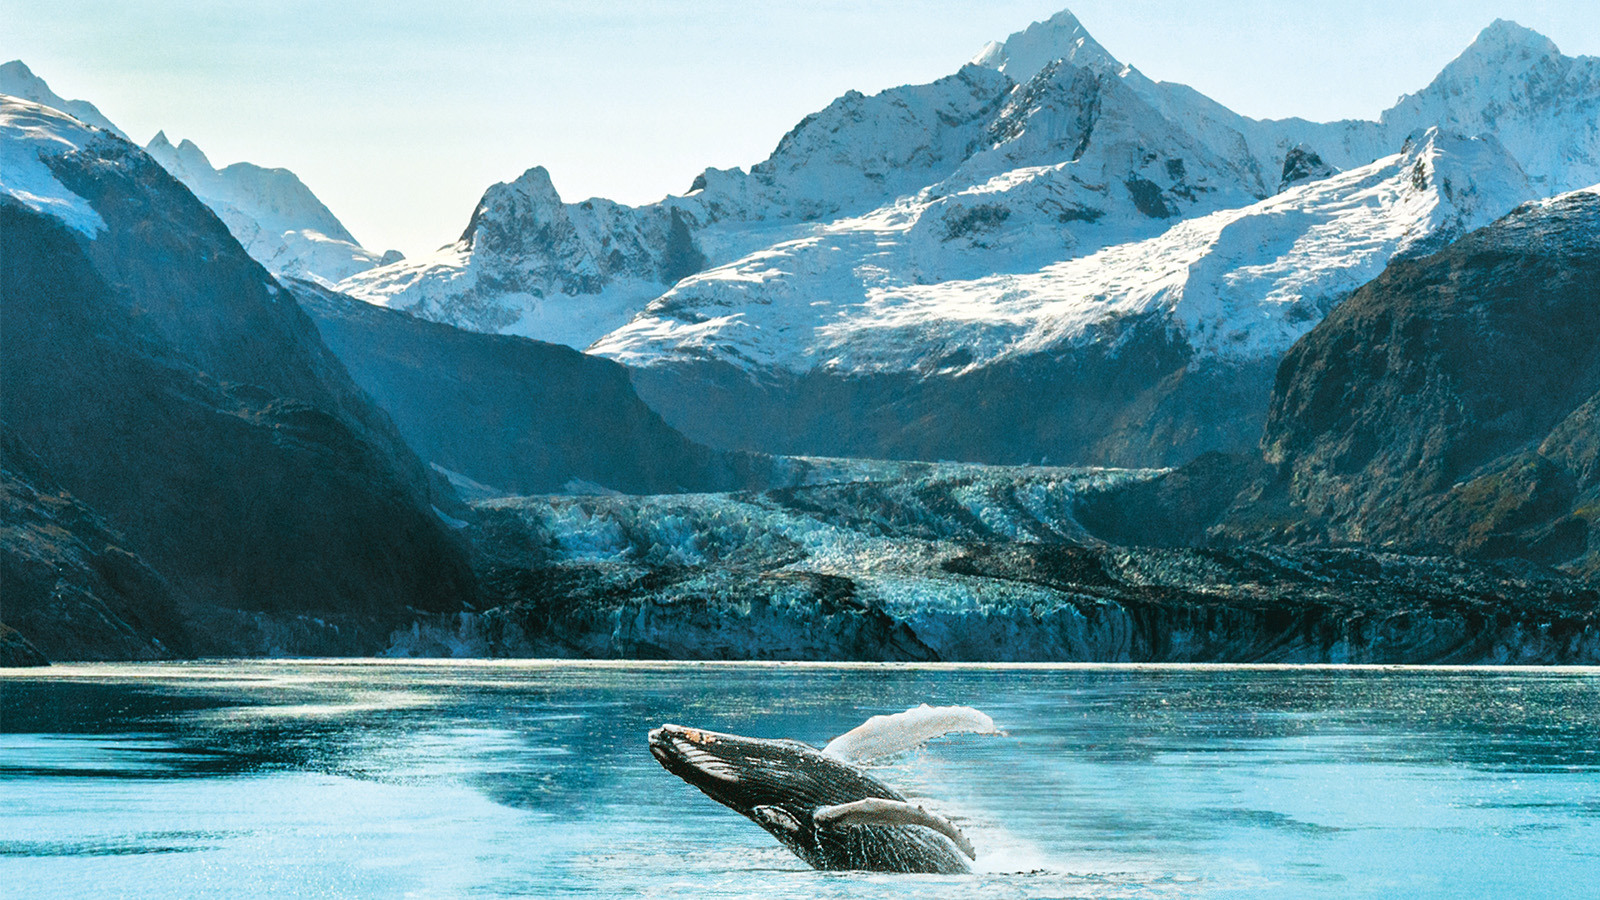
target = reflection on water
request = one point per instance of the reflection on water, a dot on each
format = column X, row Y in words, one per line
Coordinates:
column 388, row 779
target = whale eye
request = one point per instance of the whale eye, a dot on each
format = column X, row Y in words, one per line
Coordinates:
column 776, row 817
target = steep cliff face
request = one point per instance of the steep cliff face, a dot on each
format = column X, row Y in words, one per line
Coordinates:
column 1451, row 402
column 515, row 415
column 166, row 381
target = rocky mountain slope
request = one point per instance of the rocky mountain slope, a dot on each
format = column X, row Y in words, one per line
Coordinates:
column 164, row 379
column 280, row 222
column 1452, row 402
column 1447, row 407
column 72, row 588
column 513, row 415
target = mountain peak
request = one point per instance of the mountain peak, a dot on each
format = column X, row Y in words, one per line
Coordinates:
column 186, row 161
column 1502, row 50
column 1025, row 53
column 18, row 80
column 1504, row 36
column 532, row 196
column 536, row 183
column 16, row 72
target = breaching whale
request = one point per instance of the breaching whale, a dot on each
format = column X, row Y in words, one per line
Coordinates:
column 819, row 803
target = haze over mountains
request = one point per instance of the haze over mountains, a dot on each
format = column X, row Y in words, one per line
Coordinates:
column 1376, row 336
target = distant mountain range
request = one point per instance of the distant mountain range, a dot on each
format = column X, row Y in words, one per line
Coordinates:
column 279, row 221
column 1045, row 215
column 1351, row 373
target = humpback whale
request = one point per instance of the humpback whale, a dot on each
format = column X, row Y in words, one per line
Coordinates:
column 820, row 803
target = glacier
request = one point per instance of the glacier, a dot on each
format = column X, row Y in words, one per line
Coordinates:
column 945, row 562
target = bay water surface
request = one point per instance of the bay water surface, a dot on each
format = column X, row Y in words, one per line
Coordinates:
column 532, row 778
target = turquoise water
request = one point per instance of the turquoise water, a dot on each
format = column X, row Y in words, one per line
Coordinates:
column 395, row 779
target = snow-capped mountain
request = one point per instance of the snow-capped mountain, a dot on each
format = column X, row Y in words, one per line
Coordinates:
column 1044, row 148
column 272, row 213
column 987, row 177
column 17, row 80
column 531, row 264
column 280, row 222
column 1511, row 82
column 963, row 147
column 1242, row 282
column 1514, row 83
column 962, row 156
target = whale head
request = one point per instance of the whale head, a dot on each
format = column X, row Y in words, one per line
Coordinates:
column 744, row 773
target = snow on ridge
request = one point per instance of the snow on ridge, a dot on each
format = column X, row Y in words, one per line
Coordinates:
column 30, row 133
column 1239, row 283
column 17, row 80
column 795, row 261
column 272, row 214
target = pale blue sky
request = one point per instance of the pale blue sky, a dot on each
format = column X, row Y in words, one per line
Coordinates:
column 399, row 113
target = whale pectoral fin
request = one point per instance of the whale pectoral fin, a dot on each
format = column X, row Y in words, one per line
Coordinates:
column 883, row 735
column 875, row 811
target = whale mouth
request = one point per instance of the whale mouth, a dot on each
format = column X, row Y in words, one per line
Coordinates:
column 661, row 747
column 678, row 748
